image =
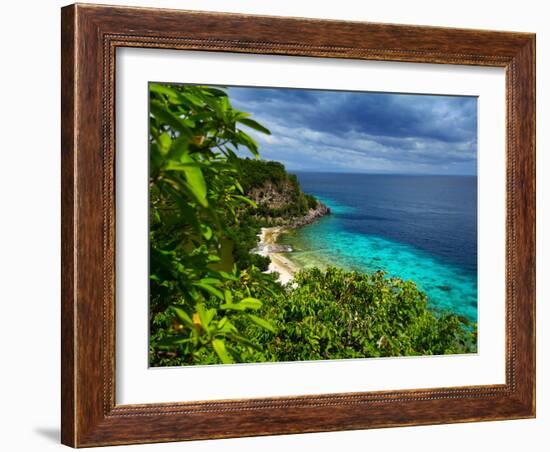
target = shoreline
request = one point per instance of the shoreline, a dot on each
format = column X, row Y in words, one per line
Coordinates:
column 268, row 246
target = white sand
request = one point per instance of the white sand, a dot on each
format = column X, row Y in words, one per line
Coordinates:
column 279, row 263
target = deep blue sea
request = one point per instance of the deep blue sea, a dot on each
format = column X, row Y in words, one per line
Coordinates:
column 422, row 228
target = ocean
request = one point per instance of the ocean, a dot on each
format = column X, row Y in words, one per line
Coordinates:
column 422, row 228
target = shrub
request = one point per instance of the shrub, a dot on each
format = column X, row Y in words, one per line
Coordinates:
column 336, row 314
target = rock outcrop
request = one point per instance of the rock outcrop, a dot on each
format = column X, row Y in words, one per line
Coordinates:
column 313, row 214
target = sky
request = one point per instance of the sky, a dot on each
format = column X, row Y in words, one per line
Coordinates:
column 360, row 132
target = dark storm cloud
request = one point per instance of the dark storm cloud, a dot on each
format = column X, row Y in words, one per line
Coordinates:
column 370, row 132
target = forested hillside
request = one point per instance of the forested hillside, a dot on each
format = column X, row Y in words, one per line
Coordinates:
column 276, row 192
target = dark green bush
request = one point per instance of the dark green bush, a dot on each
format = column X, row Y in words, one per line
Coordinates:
column 335, row 314
column 311, row 201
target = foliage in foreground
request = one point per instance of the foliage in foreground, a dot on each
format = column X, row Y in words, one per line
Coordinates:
column 196, row 295
column 336, row 314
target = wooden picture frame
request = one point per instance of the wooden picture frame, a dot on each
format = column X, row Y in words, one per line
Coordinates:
column 90, row 36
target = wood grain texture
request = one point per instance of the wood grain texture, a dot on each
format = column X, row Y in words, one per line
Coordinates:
column 90, row 36
column 68, row 244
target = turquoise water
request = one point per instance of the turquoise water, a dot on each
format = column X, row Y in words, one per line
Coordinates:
column 331, row 241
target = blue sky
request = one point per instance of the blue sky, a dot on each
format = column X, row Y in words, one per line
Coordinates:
column 340, row 131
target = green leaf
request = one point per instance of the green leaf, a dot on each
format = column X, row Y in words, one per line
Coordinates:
column 169, row 342
column 225, row 326
column 214, row 103
column 221, row 351
column 244, row 341
column 159, row 111
column 179, row 146
column 249, row 142
column 206, row 315
column 211, row 281
column 241, row 114
column 252, row 303
column 172, row 165
column 189, row 213
column 208, row 288
column 254, row 125
column 165, row 90
column 195, row 179
column 224, row 103
column 228, row 276
column 228, row 296
column 189, row 98
column 245, row 199
column 239, row 186
column 261, row 323
column 165, row 141
column 246, row 303
column 155, row 157
column 183, row 317
column 189, row 122
column 206, row 231
column 214, row 91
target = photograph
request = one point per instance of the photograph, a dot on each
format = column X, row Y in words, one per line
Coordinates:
column 294, row 224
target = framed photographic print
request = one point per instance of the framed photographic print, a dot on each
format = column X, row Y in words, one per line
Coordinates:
column 281, row 225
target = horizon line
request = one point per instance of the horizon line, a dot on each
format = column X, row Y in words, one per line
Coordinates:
column 291, row 170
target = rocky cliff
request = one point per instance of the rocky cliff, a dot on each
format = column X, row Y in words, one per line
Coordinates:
column 278, row 195
column 312, row 214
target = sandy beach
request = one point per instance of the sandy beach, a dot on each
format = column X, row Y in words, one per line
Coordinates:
column 267, row 246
